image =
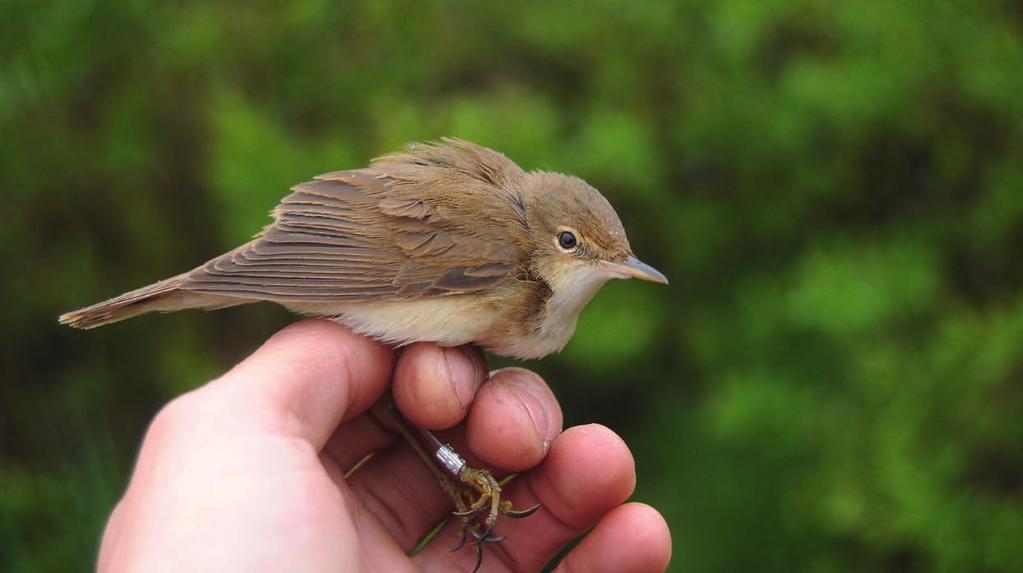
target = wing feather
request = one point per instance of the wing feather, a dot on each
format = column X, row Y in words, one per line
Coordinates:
column 368, row 235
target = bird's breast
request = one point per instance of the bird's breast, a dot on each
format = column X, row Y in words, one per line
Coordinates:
column 554, row 309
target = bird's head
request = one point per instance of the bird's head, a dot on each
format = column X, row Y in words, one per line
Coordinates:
column 579, row 242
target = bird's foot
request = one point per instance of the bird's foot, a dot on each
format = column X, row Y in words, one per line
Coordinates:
column 475, row 492
column 478, row 503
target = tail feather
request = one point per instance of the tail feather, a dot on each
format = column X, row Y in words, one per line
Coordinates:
column 165, row 295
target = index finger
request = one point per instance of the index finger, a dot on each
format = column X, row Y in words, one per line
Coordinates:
column 310, row 377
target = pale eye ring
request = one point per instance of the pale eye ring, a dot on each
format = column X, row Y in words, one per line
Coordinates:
column 567, row 240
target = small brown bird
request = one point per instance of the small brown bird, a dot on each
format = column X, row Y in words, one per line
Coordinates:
column 448, row 242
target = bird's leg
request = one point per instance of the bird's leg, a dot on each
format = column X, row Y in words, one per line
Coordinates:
column 475, row 492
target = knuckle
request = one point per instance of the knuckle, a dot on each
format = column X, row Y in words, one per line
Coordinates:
column 177, row 416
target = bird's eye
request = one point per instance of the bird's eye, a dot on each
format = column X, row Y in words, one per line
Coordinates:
column 567, row 240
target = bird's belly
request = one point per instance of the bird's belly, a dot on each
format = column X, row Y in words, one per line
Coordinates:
column 449, row 321
column 533, row 345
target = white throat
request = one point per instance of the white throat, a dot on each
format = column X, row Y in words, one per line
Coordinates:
column 572, row 290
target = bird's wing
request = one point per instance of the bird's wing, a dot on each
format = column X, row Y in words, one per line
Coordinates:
column 368, row 235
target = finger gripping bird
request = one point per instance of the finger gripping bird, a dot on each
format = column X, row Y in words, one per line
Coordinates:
column 448, row 242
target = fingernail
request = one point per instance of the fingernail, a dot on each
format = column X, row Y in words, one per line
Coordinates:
column 462, row 374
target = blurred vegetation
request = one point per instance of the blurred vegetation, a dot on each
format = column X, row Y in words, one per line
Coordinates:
column 832, row 382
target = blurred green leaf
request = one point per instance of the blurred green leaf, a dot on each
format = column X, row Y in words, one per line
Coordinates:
column 832, row 381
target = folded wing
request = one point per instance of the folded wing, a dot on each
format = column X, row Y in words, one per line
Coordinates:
column 364, row 235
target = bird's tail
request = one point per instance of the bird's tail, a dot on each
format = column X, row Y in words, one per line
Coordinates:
column 166, row 295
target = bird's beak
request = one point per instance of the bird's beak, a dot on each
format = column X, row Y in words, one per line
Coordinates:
column 631, row 267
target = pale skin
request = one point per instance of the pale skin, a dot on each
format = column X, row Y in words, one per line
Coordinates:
column 247, row 472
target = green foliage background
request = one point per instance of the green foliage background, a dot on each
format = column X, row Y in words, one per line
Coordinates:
column 832, row 382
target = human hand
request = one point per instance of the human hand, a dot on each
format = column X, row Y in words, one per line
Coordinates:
column 247, row 472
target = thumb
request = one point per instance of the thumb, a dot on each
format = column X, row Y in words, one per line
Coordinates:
column 311, row 376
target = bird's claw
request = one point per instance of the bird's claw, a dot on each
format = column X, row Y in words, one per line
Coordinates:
column 479, row 538
column 478, row 504
column 506, row 509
